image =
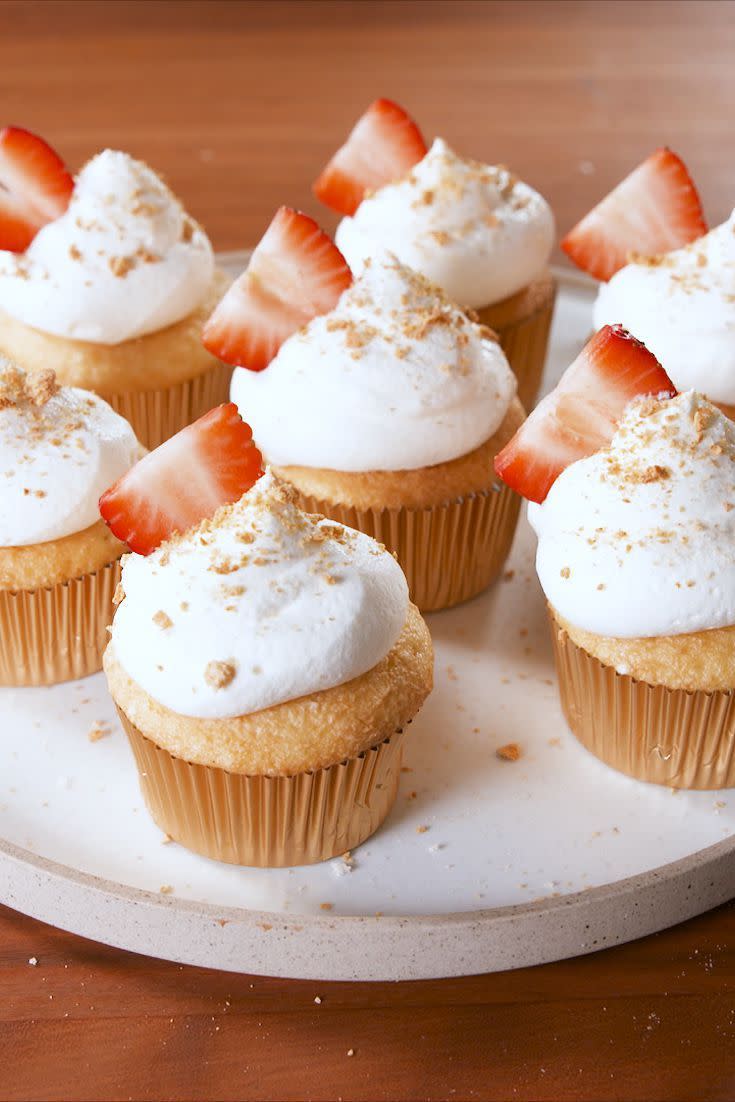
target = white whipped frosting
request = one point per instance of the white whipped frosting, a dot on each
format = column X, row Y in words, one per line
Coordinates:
column 682, row 306
column 396, row 377
column 471, row 228
column 290, row 604
column 55, row 461
column 123, row 260
column 638, row 540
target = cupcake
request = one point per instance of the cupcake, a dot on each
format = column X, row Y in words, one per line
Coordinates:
column 384, row 413
column 481, row 234
column 265, row 663
column 59, row 564
column 107, row 281
column 663, row 276
column 632, row 493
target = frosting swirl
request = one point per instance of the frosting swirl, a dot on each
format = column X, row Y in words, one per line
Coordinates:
column 122, row 261
column 59, row 450
column 473, row 229
column 396, row 377
column 638, row 540
column 260, row 605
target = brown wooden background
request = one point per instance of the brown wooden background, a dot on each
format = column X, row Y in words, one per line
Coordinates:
column 239, row 104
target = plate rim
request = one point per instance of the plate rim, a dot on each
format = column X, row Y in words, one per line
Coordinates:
column 45, row 874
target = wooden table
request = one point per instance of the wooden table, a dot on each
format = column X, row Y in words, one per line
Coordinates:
column 239, row 104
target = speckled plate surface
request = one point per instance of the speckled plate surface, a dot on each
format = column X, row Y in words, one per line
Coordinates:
column 484, row 863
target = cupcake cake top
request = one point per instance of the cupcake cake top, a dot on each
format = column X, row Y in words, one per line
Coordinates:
column 474, row 229
column 638, row 539
column 394, row 377
column 60, row 447
column 259, row 605
column 682, row 306
column 122, row 259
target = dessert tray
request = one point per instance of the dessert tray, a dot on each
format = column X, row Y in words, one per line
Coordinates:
column 488, row 861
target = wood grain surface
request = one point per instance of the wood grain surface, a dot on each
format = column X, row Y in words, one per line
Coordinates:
column 239, row 104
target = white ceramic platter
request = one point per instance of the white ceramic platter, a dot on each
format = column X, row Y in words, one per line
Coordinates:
column 484, row 864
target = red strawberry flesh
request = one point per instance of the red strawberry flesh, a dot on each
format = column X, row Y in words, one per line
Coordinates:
column 384, row 145
column 581, row 415
column 35, row 187
column 295, row 273
column 210, row 463
column 653, row 210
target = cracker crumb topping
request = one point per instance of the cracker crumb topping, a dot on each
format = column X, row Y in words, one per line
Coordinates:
column 220, row 674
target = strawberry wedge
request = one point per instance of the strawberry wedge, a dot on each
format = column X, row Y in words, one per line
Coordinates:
column 35, row 187
column 580, row 416
column 295, row 273
column 654, row 210
column 384, row 144
column 185, row 480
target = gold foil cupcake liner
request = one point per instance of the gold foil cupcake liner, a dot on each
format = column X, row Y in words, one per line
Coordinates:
column 156, row 415
column 525, row 342
column 59, row 633
column 264, row 821
column 653, row 733
column 448, row 552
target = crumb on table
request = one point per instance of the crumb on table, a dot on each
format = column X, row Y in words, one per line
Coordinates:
column 510, row 752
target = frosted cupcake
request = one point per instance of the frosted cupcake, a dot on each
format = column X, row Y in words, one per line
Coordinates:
column 663, row 276
column 682, row 305
column 477, row 231
column 59, row 564
column 265, row 665
column 384, row 413
column 108, row 285
column 636, row 557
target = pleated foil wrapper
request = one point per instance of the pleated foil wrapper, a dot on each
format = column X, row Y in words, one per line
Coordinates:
column 56, row 634
column 268, row 822
column 525, row 343
column 665, row 736
column 448, row 552
column 156, row 415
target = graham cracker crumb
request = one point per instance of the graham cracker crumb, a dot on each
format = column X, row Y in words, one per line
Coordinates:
column 510, row 752
column 166, row 889
column 121, row 265
column 656, row 473
column 325, row 906
column 422, row 829
column 162, row 620
column 98, row 730
column 40, row 386
column 220, row 674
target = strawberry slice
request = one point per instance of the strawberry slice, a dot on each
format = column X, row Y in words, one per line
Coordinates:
column 654, row 210
column 580, row 416
column 186, row 479
column 35, row 187
column 295, row 273
column 384, row 144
